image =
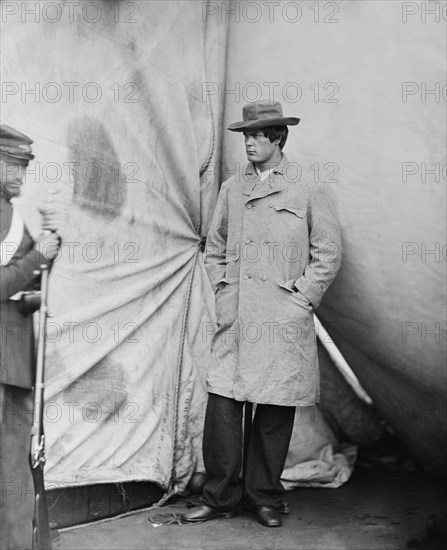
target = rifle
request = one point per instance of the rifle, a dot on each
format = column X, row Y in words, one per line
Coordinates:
column 41, row 527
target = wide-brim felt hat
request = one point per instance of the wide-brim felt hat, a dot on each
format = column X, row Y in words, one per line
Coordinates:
column 15, row 146
column 262, row 114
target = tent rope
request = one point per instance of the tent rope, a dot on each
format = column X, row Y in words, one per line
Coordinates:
column 172, row 489
column 210, row 153
column 212, row 141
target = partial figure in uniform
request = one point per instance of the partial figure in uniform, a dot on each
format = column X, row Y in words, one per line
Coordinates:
column 272, row 251
column 21, row 256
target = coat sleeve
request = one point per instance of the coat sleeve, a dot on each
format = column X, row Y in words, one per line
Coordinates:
column 216, row 240
column 325, row 247
column 19, row 273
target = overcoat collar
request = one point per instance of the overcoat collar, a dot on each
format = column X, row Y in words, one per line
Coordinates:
column 254, row 188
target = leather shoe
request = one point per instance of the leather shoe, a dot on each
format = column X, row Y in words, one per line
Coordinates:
column 205, row 513
column 268, row 516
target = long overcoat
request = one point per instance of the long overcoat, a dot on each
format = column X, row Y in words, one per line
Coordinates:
column 272, row 251
column 18, row 264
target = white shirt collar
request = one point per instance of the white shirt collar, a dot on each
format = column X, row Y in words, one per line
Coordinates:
column 263, row 175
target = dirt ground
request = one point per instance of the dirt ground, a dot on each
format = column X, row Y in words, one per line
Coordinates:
column 373, row 511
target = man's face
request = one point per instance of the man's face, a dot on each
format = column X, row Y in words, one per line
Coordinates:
column 12, row 176
column 258, row 147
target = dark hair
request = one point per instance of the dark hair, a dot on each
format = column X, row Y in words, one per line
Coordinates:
column 276, row 132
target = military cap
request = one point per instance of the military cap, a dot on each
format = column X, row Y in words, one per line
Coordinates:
column 14, row 145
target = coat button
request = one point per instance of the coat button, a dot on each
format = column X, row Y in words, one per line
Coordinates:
column 264, row 278
column 266, row 241
column 247, row 241
column 271, row 205
column 248, row 206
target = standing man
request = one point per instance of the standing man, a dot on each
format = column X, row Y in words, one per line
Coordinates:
column 272, row 251
column 20, row 258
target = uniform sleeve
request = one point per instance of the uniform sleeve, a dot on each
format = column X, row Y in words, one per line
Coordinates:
column 19, row 273
column 216, row 240
column 325, row 248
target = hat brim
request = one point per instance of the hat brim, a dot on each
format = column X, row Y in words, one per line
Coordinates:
column 263, row 123
column 16, row 159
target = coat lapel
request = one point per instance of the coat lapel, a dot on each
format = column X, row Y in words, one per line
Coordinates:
column 254, row 188
column 250, row 179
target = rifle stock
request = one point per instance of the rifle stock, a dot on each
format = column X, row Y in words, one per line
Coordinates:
column 41, row 528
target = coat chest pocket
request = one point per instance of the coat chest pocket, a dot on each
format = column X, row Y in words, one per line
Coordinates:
column 288, row 222
column 298, row 211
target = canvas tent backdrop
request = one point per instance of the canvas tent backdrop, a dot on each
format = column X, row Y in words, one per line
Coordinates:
column 130, row 301
column 136, row 208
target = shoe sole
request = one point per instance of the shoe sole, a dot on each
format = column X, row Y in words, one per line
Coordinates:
column 267, row 525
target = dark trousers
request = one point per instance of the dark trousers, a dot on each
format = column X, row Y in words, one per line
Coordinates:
column 17, row 499
column 266, row 454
